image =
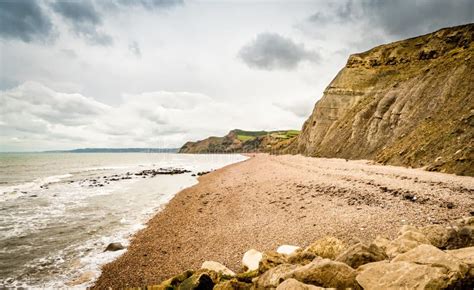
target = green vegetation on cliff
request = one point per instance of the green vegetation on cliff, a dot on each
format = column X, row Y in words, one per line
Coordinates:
column 243, row 141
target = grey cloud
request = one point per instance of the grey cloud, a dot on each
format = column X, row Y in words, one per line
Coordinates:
column 403, row 18
column 25, row 20
column 270, row 51
column 134, row 48
column 152, row 4
column 417, row 17
column 84, row 19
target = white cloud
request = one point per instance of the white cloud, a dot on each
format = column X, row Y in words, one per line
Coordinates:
column 36, row 117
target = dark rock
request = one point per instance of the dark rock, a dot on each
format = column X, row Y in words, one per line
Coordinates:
column 114, row 247
column 201, row 281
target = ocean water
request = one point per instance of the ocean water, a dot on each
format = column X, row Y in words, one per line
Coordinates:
column 59, row 211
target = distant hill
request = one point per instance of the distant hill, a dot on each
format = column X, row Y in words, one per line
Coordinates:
column 243, row 141
column 117, row 150
column 409, row 103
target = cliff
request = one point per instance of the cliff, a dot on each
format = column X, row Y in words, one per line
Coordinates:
column 243, row 141
column 407, row 103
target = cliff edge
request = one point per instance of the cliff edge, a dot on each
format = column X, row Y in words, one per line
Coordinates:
column 407, row 103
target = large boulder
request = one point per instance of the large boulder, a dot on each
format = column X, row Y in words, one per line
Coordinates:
column 293, row 284
column 320, row 272
column 327, row 247
column 360, row 254
column 326, row 273
column 466, row 255
column 429, row 255
column 401, row 275
column 408, row 240
column 273, row 277
column 251, row 259
column 270, row 260
column 217, row 267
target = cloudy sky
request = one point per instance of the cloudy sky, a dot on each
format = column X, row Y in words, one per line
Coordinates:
column 156, row 73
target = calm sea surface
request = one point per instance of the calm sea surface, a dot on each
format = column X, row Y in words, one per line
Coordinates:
column 59, row 211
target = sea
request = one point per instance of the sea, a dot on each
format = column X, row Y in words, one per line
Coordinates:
column 59, row 211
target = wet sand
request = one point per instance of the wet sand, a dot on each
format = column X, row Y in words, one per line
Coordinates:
column 267, row 201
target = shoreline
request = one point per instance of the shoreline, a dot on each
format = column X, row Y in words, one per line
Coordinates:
column 267, row 201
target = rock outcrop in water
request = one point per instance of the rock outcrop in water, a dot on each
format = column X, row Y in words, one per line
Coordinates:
column 408, row 103
column 414, row 260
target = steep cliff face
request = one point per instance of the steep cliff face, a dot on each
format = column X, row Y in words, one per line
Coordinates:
column 243, row 141
column 408, row 103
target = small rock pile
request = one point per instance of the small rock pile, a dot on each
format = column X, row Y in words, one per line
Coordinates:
column 431, row 257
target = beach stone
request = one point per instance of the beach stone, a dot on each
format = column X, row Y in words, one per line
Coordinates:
column 217, row 267
column 360, row 254
column 201, row 281
column 287, row 249
column 401, row 275
column 273, row 277
column 439, row 236
column 251, row 259
column 381, row 242
column 271, row 259
column 293, row 284
column 233, row 285
column 326, row 273
column 114, row 247
column 327, row 247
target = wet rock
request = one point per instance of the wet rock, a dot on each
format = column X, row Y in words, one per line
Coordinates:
column 293, row 284
column 287, row 249
column 217, row 267
column 201, row 281
column 360, row 254
column 114, row 247
column 270, row 260
column 251, row 259
column 327, row 247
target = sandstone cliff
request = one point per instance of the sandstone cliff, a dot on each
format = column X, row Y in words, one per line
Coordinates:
column 243, row 141
column 408, row 103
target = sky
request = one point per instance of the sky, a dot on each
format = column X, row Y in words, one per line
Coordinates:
column 158, row 73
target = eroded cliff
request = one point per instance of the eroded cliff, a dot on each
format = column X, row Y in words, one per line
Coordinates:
column 408, row 103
